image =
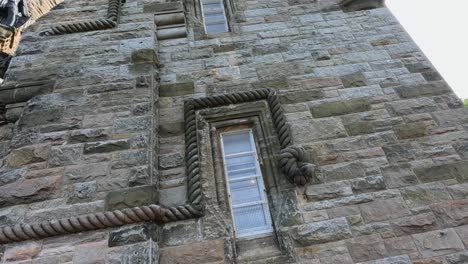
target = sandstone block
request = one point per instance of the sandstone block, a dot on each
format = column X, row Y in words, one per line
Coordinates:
column 384, row 209
column 106, row 146
column 321, row 232
column 368, row 184
column 452, row 213
column 170, row 161
column 23, row 251
column 132, row 124
column 300, row 96
column 27, row 155
column 28, row 191
column 65, row 155
column 459, row 191
column 354, row 80
column 429, row 89
column 131, row 234
column 403, row 259
column 328, row 191
column 340, row 107
column 343, row 171
column 400, row 246
column 132, row 197
column 458, row 170
column 412, row 130
column 437, row 243
column 367, row 248
column 202, row 252
column 88, row 135
column 399, row 175
column 176, row 89
column 425, row 194
column 181, row 233
column 415, row 224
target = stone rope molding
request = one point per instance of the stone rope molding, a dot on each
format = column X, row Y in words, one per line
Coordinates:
column 113, row 15
column 292, row 161
column 82, row 223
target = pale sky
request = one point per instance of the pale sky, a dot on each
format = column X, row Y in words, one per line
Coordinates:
column 440, row 27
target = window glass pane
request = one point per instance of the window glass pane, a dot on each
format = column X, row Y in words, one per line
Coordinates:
column 252, row 217
column 244, row 172
column 235, row 164
column 214, row 16
column 236, row 143
column 245, row 191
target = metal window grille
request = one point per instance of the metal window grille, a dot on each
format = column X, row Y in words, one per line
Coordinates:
column 214, row 16
column 248, row 200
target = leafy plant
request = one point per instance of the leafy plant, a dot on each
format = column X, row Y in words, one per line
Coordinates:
column 466, row 102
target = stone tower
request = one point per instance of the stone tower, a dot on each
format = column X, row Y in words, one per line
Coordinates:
column 227, row 131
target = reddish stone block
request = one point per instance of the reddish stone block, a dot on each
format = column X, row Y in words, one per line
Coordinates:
column 384, row 210
column 453, row 213
column 367, row 248
column 204, row 252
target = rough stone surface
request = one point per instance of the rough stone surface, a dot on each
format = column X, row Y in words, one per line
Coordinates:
column 94, row 121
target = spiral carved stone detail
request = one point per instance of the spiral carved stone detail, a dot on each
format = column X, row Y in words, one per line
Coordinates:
column 293, row 160
column 82, row 223
column 113, row 13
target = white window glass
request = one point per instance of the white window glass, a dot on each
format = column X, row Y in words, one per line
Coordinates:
column 214, row 16
column 248, row 199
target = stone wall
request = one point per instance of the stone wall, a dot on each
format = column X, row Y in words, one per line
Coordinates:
column 106, row 131
column 84, row 135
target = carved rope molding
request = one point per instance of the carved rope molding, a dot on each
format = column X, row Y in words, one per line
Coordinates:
column 113, row 14
column 82, row 223
column 292, row 160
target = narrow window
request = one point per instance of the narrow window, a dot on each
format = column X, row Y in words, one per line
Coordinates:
column 214, row 16
column 248, row 200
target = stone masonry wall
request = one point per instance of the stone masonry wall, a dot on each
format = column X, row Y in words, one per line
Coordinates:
column 83, row 143
column 388, row 134
column 104, row 130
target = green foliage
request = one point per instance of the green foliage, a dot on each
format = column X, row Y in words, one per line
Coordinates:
column 466, row 102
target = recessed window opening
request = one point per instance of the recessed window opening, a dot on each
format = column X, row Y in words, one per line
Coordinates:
column 246, row 189
column 214, row 16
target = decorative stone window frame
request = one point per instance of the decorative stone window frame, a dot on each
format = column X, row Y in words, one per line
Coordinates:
column 292, row 161
column 111, row 21
column 256, row 116
column 195, row 18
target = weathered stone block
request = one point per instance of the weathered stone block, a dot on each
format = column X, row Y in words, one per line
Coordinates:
column 325, row 128
column 106, row 146
column 171, row 161
column 425, row 194
column 328, row 191
column 65, row 155
column 132, row 197
column 144, row 55
column 400, row 246
column 343, row 171
column 360, row 127
column 457, row 170
column 171, row 129
column 384, row 209
column 132, row 124
column 88, row 135
column 458, row 192
column 452, row 213
column 412, row 130
column 391, row 260
column 438, row 243
column 23, row 251
column 131, row 234
column 27, row 155
column 203, row 252
column 181, row 233
column 415, row 224
column 429, row 89
column 176, row 89
column 321, row 232
column 368, row 184
column 28, row 191
column 340, row 107
column 82, row 192
column 301, row 96
column 367, row 248
column 354, row 80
